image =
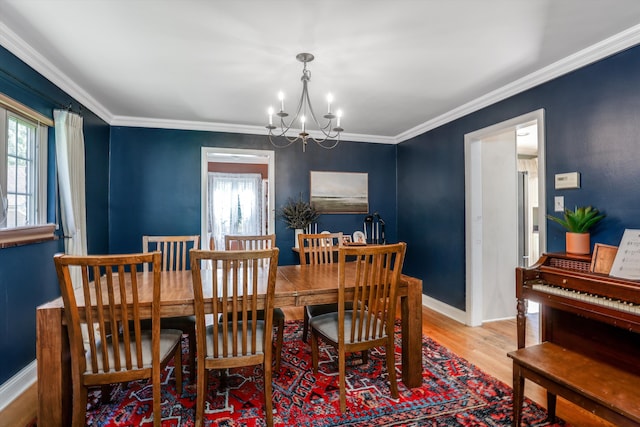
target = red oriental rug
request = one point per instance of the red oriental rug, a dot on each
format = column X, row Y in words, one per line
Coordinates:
column 453, row 393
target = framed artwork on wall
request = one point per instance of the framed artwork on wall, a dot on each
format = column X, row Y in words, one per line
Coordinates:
column 340, row 192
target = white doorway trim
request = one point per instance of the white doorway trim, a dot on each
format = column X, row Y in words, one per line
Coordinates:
column 235, row 155
column 473, row 219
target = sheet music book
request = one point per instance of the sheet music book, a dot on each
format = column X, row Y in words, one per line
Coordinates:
column 626, row 265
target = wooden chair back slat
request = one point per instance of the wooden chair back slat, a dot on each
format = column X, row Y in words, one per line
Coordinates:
column 249, row 242
column 174, row 249
column 240, row 284
column 375, row 284
column 319, row 248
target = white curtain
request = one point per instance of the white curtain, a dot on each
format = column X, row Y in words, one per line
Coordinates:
column 235, row 205
column 71, row 181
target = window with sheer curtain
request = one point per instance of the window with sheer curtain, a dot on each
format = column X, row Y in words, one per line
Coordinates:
column 235, row 205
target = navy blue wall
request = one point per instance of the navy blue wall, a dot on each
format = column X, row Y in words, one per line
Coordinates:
column 27, row 275
column 592, row 119
column 155, row 182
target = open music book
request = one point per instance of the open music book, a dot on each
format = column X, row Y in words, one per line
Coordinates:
column 626, row 264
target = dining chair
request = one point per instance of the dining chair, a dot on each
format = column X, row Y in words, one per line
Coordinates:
column 115, row 347
column 318, row 249
column 239, row 284
column 175, row 250
column 370, row 321
column 252, row 243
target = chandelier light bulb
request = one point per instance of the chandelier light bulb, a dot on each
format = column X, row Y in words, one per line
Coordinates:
column 270, row 111
column 329, row 101
column 281, row 99
column 339, row 116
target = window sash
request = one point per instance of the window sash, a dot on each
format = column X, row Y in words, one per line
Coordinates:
column 36, row 229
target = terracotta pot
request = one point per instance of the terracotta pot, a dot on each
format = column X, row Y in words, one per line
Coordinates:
column 578, row 243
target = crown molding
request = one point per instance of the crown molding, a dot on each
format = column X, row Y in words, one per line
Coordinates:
column 614, row 44
column 35, row 60
column 596, row 52
column 231, row 128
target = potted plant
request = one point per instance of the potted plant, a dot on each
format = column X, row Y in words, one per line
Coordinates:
column 298, row 214
column 578, row 222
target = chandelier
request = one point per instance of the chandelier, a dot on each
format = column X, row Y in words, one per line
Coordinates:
column 304, row 112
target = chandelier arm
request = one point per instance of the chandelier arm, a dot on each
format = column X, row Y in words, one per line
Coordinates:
column 284, row 135
column 305, row 94
column 284, row 145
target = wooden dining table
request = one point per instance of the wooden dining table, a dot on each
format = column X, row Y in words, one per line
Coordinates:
column 296, row 285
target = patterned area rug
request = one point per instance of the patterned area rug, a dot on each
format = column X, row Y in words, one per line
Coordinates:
column 453, row 393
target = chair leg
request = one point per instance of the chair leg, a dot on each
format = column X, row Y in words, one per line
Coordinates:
column 391, row 369
column 192, row 353
column 177, row 361
column 79, row 408
column 314, row 352
column 157, row 402
column 201, row 387
column 305, row 325
column 105, row 393
column 342, row 367
column 268, row 402
column 279, row 340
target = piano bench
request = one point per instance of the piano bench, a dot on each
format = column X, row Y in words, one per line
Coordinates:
column 601, row 388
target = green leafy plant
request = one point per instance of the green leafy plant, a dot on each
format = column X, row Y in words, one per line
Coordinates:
column 298, row 213
column 579, row 220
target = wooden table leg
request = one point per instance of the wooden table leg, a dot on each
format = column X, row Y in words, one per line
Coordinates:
column 54, row 376
column 411, row 312
column 518, row 394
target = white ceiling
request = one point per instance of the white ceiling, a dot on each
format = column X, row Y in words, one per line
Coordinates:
column 395, row 67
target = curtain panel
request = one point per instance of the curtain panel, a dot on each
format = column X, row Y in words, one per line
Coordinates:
column 235, row 205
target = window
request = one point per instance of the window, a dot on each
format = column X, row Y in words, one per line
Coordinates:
column 236, row 205
column 237, row 161
column 23, row 178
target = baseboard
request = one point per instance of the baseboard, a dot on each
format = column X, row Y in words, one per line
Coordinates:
column 445, row 309
column 18, row 384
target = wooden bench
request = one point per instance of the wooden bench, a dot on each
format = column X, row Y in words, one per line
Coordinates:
column 599, row 387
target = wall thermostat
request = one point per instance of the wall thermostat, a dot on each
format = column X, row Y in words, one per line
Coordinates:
column 567, row 180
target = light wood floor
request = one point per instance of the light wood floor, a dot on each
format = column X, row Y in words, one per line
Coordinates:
column 485, row 346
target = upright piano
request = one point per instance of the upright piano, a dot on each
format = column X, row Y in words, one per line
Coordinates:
column 586, row 312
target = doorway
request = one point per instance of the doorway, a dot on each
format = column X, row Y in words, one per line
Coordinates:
column 235, row 163
column 501, row 213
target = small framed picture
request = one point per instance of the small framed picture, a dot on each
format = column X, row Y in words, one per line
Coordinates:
column 602, row 259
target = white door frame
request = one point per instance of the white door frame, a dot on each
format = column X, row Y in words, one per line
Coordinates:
column 235, row 155
column 473, row 222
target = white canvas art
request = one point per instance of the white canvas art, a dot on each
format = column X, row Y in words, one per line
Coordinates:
column 340, row 192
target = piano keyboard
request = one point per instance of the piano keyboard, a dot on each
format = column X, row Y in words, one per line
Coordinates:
column 591, row 298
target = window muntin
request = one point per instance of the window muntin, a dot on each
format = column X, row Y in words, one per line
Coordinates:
column 22, row 174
